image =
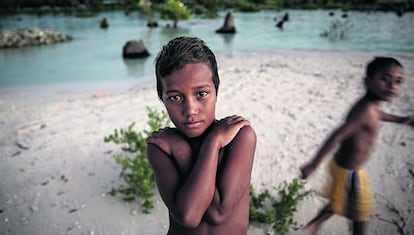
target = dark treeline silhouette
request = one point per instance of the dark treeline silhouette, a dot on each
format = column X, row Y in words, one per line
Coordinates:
column 67, row 4
column 195, row 5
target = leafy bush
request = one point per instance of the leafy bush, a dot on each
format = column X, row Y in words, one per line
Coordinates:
column 136, row 170
column 278, row 213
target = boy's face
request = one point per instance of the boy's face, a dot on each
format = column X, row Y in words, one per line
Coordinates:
column 190, row 98
column 386, row 83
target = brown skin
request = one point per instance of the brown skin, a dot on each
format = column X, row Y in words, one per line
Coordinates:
column 202, row 167
column 357, row 134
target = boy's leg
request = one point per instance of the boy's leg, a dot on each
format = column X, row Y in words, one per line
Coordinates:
column 359, row 227
column 314, row 225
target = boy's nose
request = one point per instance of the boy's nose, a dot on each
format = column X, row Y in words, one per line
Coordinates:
column 190, row 108
column 393, row 85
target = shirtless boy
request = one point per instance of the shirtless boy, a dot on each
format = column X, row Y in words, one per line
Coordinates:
column 202, row 166
column 349, row 193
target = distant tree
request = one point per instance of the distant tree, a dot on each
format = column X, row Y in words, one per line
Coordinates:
column 145, row 6
column 174, row 10
column 212, row 4
column 206, row 7
column 246, row 6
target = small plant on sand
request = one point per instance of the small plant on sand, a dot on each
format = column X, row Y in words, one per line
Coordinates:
column 400, row 217
column 278, row 212
column 136, row 170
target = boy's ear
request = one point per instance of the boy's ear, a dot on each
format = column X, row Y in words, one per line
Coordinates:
column 366, row 79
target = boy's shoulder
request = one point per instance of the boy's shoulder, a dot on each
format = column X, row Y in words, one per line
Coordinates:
column 363, row 110
column 166, row 139
column 245, row 136
column 247, row 132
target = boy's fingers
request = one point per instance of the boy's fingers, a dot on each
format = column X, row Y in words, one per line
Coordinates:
column 151, row 140
column 304, row 171
column 303, row 175
column 234, row 119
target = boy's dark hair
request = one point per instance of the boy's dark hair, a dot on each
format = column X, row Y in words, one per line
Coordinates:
column 379, row 63
column 179, row 52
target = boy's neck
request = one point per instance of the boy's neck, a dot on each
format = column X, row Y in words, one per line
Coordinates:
column 372, row 98
column 196, row 142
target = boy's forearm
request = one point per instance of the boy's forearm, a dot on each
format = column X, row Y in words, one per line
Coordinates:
column 197, row 192
column 328, row 145
column 213, row 210
column 394, row 118
column 217, row 213
column 234, row 180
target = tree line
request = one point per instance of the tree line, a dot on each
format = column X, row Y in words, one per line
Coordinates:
column 204, row 6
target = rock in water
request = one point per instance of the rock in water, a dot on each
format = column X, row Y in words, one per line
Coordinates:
column 228, row 26
column 135, row 49
column 30, row 37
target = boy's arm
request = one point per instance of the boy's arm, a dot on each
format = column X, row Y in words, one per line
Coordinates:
column 234, row 177
column 351, row 125
column 188, row 198
column 198, row 192
column 386, row 117
column 167, row 176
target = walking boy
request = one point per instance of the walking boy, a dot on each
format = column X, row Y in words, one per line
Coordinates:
column 349, row 193
column 203, row 166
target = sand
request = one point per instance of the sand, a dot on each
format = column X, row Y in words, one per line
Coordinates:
column 56, row 170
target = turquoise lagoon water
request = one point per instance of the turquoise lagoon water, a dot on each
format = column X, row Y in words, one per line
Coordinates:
column 95, row 54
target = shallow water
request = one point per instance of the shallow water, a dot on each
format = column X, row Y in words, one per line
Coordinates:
column 95, row 55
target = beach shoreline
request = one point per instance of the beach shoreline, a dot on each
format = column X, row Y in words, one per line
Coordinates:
column 57, row 171
column 70, row 90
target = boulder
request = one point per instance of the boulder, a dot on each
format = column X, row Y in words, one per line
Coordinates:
column 286, row 17
column 30, row 37
column 282, row 21
column 134, row 49
column 152, row 24
column 104, row 23
column 280, row 24
column 228, row 26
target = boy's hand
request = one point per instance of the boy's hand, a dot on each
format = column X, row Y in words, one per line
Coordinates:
column 227, row 128
column 410, row 121
column 307, row 170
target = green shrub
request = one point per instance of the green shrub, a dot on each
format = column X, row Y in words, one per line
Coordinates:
column 278, row 212
column 136, row 170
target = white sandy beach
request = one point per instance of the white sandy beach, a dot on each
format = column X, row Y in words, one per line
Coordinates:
column 56, row 170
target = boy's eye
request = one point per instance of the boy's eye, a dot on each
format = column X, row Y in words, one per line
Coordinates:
column 386, row 78
column 202, row 94
column 174, row 98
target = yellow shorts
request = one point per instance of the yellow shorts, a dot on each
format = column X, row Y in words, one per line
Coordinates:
column 349, row 193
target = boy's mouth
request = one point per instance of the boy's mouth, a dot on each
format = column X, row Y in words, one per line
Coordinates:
column 192, row 124
column 390, row 94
